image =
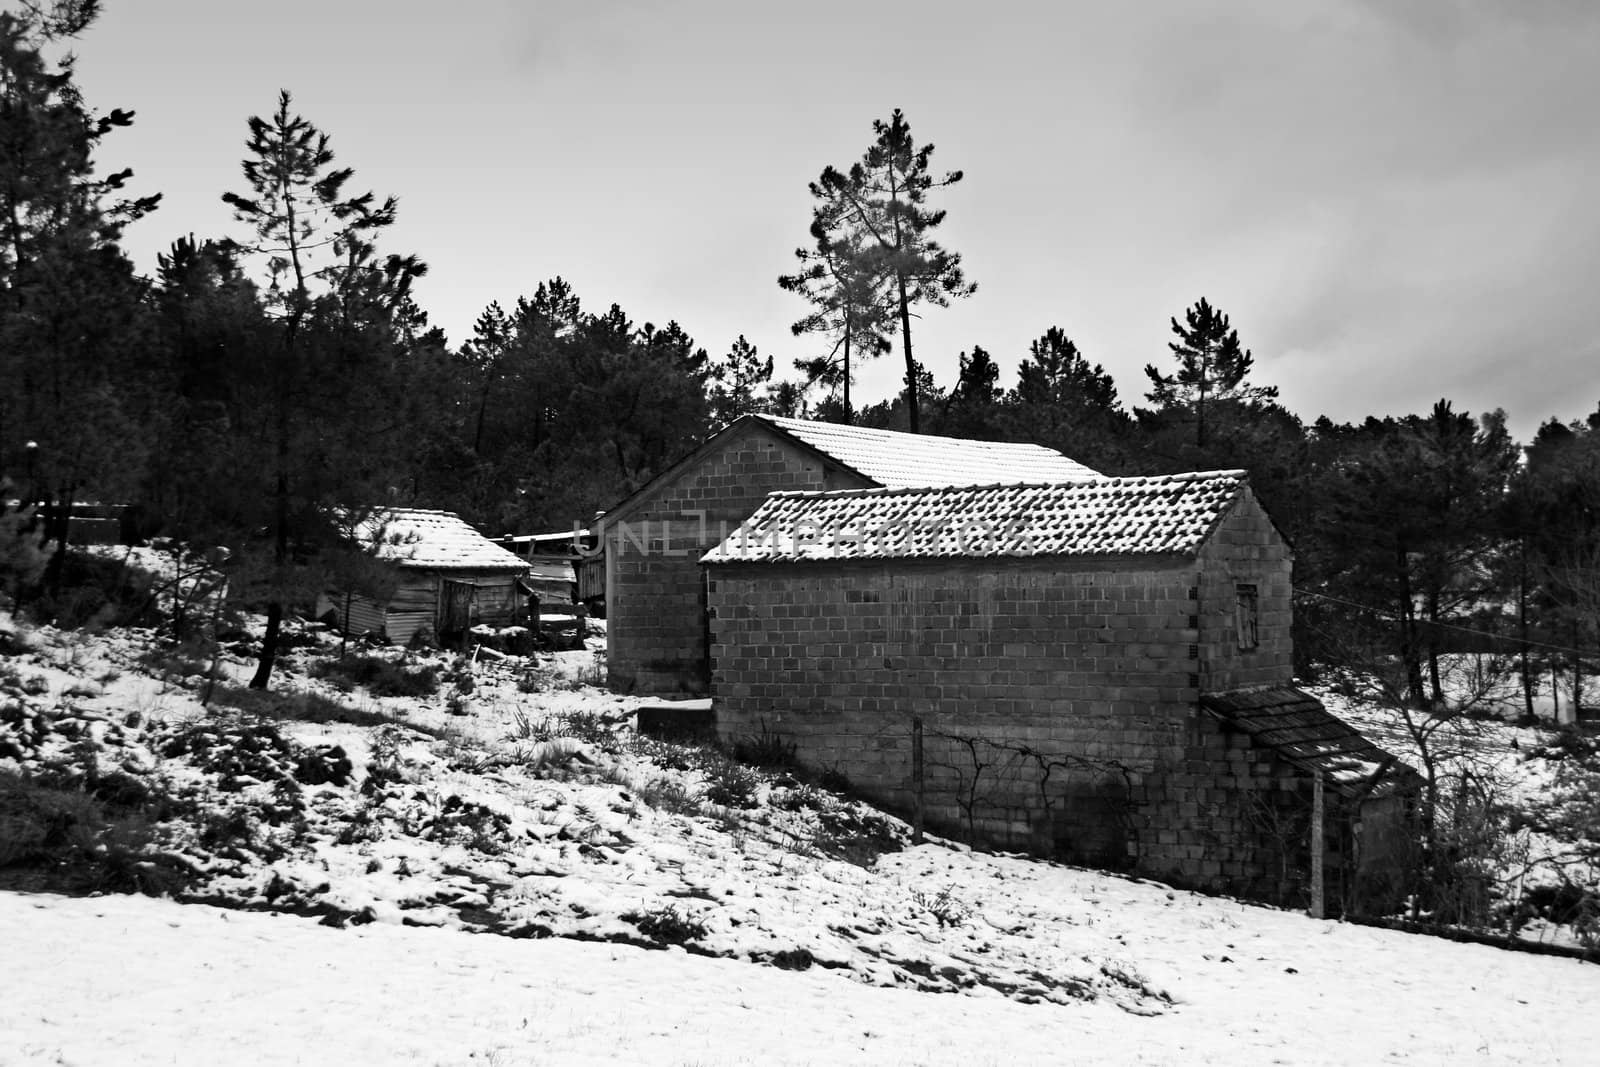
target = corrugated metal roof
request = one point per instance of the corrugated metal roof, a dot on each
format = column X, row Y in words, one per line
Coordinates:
column 1296, row 726
column 1158, row 515
column 905, row 460
column 437, row 540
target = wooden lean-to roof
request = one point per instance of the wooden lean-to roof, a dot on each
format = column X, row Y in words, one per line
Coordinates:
column 1296, row 726
column 1103, row 517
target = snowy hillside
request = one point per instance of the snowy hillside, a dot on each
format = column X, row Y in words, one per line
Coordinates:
column 489, row 872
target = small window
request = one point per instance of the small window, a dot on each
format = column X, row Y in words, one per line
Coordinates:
column 1247, row 616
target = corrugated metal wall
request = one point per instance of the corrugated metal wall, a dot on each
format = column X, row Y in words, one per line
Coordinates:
column 415, row 604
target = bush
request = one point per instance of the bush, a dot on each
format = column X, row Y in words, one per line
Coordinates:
column 296, row 706
column 765, row 749
column 946, row 908
column 731, row 785
column 667, row 925
column 802, row 798
column 79, row 842
column 834, row 780
column 190, row 658
column 668, row 794
column 98, row 590
column 588, row 727
column 855, row 836
column 380, row 676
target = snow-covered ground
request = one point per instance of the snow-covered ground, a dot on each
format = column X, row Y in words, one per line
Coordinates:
column 503, row 862
column 130, row 980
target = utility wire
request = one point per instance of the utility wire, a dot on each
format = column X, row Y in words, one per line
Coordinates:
column 1392, row 617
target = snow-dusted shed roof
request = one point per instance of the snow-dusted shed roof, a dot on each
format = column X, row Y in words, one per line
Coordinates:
column 433, row 540
column 898, row 460
column 886, row 458
column 1162, row 515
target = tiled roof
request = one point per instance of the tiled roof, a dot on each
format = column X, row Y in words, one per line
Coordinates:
column 904, row 460
column 413, row 537
column 1159, row 515
column 1296, row 726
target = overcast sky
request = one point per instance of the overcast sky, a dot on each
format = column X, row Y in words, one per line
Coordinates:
column 1393, row 201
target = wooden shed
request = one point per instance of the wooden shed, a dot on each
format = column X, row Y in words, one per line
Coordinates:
column 448, row 578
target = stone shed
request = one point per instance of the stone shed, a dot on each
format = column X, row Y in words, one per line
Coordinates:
column 1064, row 668
column 656, row 637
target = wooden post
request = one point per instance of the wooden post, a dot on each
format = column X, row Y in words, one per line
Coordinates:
column 344, row 628
column 1319, row 844
column 916, row 777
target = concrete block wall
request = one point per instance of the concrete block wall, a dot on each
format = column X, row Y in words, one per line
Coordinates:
column 1046, row 694
column 1229, row 817
column 656, row 610
column 1058, row 698
column 1245, row 549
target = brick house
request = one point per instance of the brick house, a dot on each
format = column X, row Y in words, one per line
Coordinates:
column 1097, row 670
column 656, row 636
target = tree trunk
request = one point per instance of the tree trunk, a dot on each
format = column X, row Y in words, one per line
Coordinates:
column 911, row 364
column 280, row 553
column 1522, row 629
column 1432, row 608
column 1577, row 672
column 269, row 646
column 58, row 523
column 1410, row 653
column 848, row 326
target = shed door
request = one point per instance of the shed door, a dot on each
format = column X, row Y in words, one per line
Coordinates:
column 455, row 607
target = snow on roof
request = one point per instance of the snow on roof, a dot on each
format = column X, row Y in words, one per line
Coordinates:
column 415, row 537
column 904, row 460
column 1158, row 515
column 1296, row 726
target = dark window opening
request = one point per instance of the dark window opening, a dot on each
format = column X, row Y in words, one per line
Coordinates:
column 1247, row 616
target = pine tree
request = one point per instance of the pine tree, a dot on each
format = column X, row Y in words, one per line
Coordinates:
column 1064, row 401
column 1212, row 368
column 1408, row 526
column 327, row 386
column 973, row 409
column 845, row 286
column 73, row 357
column 739, row 383
column 1553, row 515
column 884, row 205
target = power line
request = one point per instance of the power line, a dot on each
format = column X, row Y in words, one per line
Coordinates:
column 1390, row 616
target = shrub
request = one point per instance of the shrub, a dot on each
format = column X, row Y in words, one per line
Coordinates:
column 381, row 676
column 855, row 836
column 473, row 825
column 667, row 925
column 834, row 780
column 190, row 658
column 731, row 784
column 588, row 727
column 81, row 842
column 946, row 908
column 97, row 590
column 668, row 794
column 765, row 750
column 801, row 798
